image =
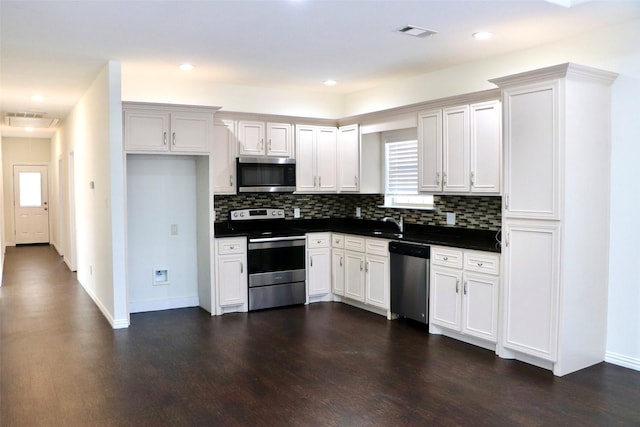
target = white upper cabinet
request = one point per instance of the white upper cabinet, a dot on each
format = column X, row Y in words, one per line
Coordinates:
column 224, row 158
column 532, row 153
column 460, row 149
column 486, row 147
column 348, row 159
column 165, row 128
column 265, row 139
column 430, row 151
column 455, row 150
column 316, row 162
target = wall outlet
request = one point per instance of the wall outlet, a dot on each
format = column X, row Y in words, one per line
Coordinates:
column 358, row 212
column 451, row 218
column 296, row 212
column 174, row 229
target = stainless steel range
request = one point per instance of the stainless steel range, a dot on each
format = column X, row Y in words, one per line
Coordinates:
column 275, row 257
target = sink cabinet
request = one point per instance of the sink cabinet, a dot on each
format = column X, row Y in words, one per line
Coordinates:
column 318, row 267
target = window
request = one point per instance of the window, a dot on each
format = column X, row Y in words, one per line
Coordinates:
column 401, row 172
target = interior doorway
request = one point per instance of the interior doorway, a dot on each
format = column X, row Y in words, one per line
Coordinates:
column 31, row 203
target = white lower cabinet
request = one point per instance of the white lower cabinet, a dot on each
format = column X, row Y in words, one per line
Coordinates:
column 464, row 293
column 361, row 271
column 231, row 275
column 318, row 267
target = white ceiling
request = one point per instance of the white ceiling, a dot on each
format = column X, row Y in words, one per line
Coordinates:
column 56, row 48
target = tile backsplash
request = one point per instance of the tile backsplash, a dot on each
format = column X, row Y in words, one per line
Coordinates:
column 479, row 212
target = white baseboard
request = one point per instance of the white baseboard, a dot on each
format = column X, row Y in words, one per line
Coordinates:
column 115, row 323
column 163, row 304
column 622, row 360
column 57, row 248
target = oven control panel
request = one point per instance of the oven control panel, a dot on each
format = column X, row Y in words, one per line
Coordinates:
column 252, row 214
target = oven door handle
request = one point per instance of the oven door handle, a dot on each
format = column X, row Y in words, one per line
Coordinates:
column 276, row 239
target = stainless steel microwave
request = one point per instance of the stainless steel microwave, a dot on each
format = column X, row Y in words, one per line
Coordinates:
column 266, row 174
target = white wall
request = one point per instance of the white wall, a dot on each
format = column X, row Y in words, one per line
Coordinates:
column 19, row 150
column 230, row 97
column 2, row 238
column 161, row 191
column 93, row 132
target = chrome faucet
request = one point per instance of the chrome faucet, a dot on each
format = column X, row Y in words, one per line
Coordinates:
column 400, row 223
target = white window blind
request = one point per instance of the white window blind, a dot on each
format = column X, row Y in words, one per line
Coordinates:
column 401, row 160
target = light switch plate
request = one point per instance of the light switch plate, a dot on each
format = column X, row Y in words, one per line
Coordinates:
column 296, row 212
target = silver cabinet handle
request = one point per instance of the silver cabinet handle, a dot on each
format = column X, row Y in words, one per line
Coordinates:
column 261, row 143
column 473, row 180
column 320, row 181
column 366, row 267
column 361, row 266
column 314, row 181
column 457, row 286
column 311, row 260
column 269, row 144
column 231, row 180
column 437, row 178
column 444, row 178
column 506, row 201
column 355, row 180
column 232, row 248
column 465, row 288
column 506, row 240
column 165, row 139
column 173, row 141
column 479, row 264
column 241, row 268
column 445, row 258
column 340, row 261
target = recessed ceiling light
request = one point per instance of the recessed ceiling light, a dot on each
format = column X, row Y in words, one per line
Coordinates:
column 482, row 35
column 37, row 98
column 330, row 82
column 29, row 129
column 412, row 30
column 186, row 67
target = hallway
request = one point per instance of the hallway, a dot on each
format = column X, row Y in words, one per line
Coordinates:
column 327, row 364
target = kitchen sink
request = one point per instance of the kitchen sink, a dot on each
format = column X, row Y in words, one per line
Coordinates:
column 386, row 234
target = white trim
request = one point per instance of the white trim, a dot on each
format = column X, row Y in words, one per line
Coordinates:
column 622, row 360
column 115, row 323
column 163, row 304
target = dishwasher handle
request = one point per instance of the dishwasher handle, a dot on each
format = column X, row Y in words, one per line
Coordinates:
column 408, row 249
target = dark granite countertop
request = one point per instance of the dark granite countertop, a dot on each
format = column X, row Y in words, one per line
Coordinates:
column 466, row 238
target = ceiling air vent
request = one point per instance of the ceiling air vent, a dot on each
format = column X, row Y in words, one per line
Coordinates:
column 412, row 30
column 29, row 120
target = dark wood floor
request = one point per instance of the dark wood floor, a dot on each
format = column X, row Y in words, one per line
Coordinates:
column 326, row 364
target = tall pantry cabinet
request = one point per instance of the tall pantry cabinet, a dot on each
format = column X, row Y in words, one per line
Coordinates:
column 555, row 226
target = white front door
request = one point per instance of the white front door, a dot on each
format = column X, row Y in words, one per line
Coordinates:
column 31, row 204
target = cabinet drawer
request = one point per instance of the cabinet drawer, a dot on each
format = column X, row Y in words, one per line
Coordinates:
column 482, row 262
column 318, row 240
column 337, row 240
column 377, row 246
column 231, row 245
column 446, row 257
column 354, row 243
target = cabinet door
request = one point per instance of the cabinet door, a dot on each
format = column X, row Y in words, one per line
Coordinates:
column 348, row 159
column 251, row 136
column 279, row 138
column 377, row 287
column 224, row 158
column 146, row 130
column 191, row 131
column 480, row 306
column 532, row 152
column 486, row 147
column 319, row 271
column 354, row 276
column 445, row 301
column 455, row 150
column 531, row 291
column 337, row 271
column 430, row 151
column 326, row 159
column 232, row 280
column 305, row 167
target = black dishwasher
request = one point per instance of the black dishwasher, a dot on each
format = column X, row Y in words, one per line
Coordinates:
column 410, row 281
